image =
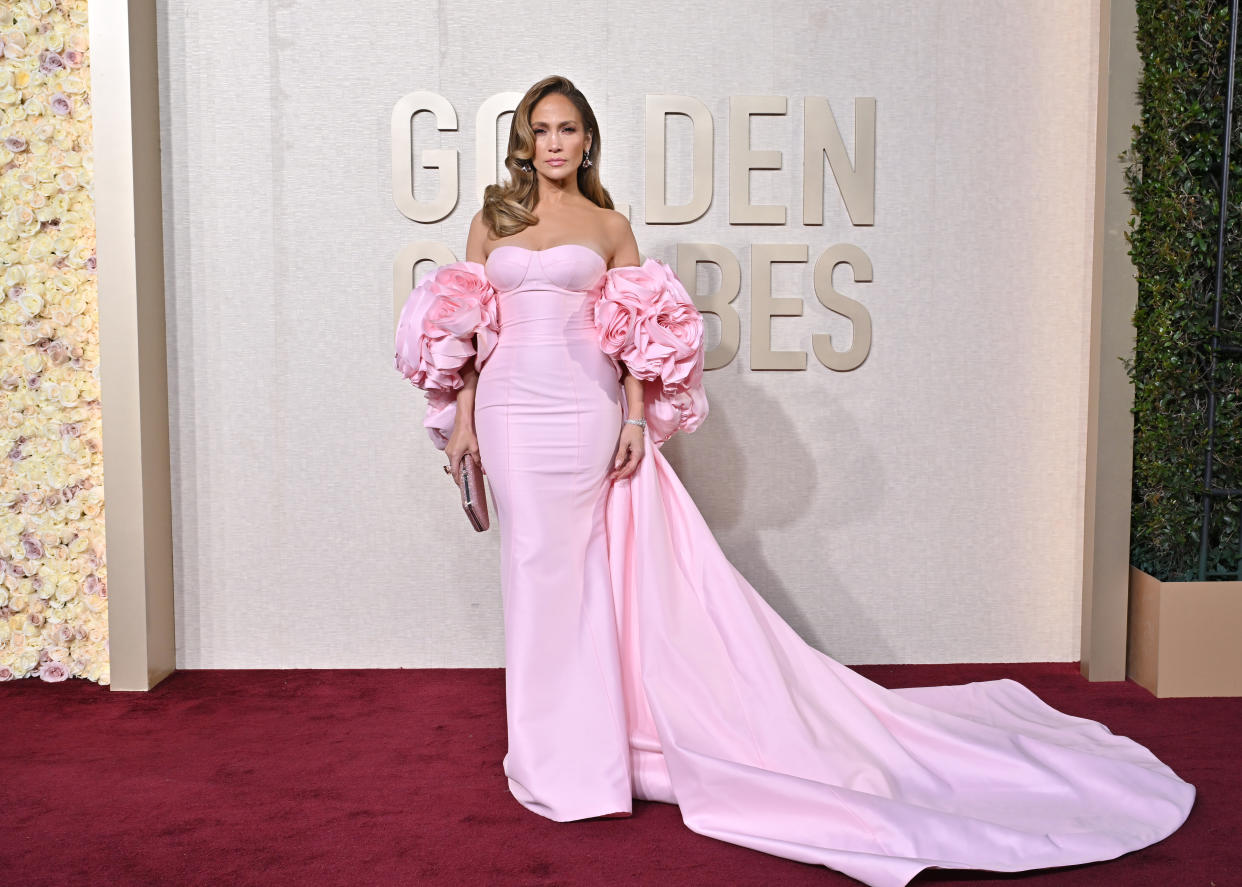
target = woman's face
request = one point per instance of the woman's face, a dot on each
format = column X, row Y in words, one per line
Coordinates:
column 560, row 140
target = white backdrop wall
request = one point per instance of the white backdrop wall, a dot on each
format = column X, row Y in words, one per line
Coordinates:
column 943, row 516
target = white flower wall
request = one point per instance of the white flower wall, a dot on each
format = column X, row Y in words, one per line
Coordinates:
column 53, row 582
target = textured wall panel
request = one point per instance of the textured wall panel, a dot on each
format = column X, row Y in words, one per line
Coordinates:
column 314, row 526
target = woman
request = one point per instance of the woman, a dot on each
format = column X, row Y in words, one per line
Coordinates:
column 639, row 662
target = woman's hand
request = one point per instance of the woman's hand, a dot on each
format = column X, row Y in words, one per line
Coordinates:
column 461, row 440
column 630, row 450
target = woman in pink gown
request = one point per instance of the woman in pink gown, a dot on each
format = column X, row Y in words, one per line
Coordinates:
column 639, row 663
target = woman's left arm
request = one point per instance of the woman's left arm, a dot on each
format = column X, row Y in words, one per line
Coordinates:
column 631, row 444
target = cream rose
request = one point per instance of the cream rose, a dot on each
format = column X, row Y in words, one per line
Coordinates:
column 31, row 303
column 68, row 394
column 66, row 589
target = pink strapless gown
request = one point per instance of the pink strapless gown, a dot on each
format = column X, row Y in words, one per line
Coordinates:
column 641, row 664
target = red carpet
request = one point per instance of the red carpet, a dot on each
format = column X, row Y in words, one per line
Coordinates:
column 392, row 777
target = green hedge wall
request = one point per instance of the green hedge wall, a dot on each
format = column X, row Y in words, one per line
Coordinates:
column 1172, row 175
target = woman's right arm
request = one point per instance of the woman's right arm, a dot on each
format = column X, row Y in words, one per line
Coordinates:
column 462, row 439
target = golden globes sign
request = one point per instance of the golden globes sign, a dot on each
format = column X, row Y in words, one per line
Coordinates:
column 822, row 140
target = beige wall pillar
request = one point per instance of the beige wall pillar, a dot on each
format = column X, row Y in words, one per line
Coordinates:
column 133, row 365
column 1110, row 426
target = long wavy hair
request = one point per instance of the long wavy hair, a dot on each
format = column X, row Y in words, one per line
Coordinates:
column 509, row 207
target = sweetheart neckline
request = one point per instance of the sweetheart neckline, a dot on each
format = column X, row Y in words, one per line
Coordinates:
column 546, row 249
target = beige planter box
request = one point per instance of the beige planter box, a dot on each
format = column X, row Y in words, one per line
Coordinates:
column 1185, row 638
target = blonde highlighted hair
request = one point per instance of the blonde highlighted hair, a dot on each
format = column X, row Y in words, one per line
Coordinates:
column 509, row 207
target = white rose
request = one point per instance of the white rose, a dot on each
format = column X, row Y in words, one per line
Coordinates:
column 26, row 660
column 31, row 303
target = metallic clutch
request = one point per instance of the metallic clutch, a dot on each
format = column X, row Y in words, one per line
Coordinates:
column 473, row 495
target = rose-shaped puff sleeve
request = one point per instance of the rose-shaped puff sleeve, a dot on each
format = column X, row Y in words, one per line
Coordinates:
column 645, row 318
column 450, row 310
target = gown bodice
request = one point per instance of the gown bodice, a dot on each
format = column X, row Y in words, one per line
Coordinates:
column 528, row 282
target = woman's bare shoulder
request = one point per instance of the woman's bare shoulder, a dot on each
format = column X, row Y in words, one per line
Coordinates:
column 477, row 239
column 621, row 243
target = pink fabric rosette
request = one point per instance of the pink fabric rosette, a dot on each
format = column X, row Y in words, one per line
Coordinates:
column 645, row 318
column 451, row 309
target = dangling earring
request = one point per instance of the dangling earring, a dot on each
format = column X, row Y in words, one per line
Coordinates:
column 525, row 165
column 586, row 160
